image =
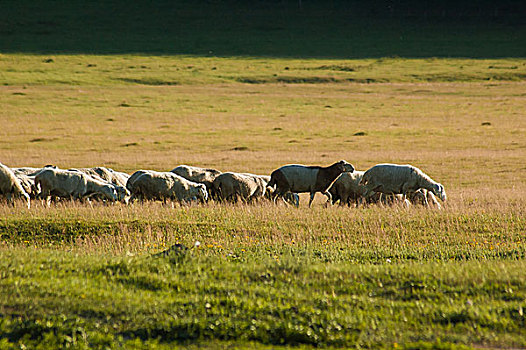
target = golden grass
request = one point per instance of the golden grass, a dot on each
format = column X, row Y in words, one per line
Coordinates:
column 439, row 127
column 479, row 225
column 470, row 136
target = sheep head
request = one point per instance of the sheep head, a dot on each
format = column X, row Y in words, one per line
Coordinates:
column 202, row 193
column 439, row 191
column 109, row 192
column 123, row 195
column 346, row 167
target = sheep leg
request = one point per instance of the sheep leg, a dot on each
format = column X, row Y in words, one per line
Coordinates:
column 358, row 201
column 368, row 194
column 426, row 202
column 344, row 199
column 278, row 194
column 312, row 194
column 329, row 198
column 296, row 200
column 10, row 199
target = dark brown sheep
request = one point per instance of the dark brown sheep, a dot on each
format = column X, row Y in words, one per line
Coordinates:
column 300, row 178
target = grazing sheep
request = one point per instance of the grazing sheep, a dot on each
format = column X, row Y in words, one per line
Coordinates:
column 90, row 172
column 28, row 184
column 244, row 186
column 300, row 178
column 200, row 175
column 30, row 171
column 347, row 188
column 108, row 175
column 26, row 176
column 424, row 197
column 131, row 181
column 11, row 187
column 119, row 178
column 289, row 197
column 72, row 184
column 153, row 185
column 399, row 179
column 123, row 195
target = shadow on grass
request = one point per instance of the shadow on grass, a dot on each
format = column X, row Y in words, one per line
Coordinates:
column 335, row 29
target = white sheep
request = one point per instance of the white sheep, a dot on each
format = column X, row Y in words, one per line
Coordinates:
column 31, row 171
column 399, row 179
column 119, row 178
column 131, row 181
column 28, row 184
column 115, row 177
column 347, row 188
column 240, row 186
column 109, row 176
column 196, row 174
column 154, row 185
column 72, row 184
column 11, row 187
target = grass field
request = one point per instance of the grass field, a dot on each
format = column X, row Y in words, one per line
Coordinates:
column 267, row 276
column 263, row 276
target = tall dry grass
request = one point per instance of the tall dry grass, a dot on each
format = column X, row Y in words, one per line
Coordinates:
column 471, row 225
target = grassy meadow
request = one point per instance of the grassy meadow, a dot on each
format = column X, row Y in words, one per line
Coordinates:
column 267, row 276
column 84, row 85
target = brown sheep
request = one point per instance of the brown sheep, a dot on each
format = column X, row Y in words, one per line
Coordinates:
column 300, row 178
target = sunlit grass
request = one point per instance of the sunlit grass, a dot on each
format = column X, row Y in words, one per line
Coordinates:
column 482, row 228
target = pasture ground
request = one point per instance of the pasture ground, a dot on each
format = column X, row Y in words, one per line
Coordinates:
column 266, row 276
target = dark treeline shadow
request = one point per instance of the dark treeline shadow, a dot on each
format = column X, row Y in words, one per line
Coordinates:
column 273, row 28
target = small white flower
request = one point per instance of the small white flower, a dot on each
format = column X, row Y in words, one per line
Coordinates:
column 388, row 260
column 197, row 244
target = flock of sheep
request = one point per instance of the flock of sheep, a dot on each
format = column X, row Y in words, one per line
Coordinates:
column 339, row 182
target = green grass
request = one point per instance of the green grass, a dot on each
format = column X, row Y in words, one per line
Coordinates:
column 263, row 276
column 56, row 298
